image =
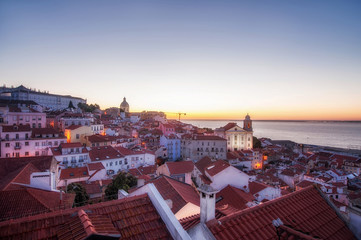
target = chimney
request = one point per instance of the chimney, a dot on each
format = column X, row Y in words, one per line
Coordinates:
column 208, row 203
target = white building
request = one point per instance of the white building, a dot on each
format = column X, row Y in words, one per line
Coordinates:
column 237, row 138
column 71, row 155
column 45, row 99
column 218, row 174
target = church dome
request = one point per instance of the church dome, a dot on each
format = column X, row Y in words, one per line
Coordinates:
column 124, row 103
column 124, row 106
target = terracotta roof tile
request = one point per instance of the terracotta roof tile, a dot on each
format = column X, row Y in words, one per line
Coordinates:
column 70, row 145
column 19, row 169
column 180, row 167
column 103, row 153
column 234, row 197
column 16, row 128
column 31, row 201
column 133, row 217
column 216, row 167
column 180, row 193
column 70, row 173
column 304, row 211
column 255, row 187
column 95, row 166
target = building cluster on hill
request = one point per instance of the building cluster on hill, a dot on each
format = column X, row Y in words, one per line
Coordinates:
column 191, row 182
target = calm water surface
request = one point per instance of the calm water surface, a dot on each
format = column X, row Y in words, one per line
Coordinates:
column 333, row 134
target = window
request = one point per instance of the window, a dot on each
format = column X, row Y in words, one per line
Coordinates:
column 7, row 144
column 26, row 153
column 27, row 118
column 7, row 136
column 26, row 143
column 77, row 136
column 39, row 125
column 37, row 153
column 56, row 143
column 7, row 155
column 17, row 136
column 34, row 125
column 17, row 154
column 37, row 144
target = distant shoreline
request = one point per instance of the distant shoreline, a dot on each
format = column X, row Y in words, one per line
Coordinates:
column 318, row 121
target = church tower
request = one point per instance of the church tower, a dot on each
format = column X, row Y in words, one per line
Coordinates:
column 124, row 106
column 247, row 123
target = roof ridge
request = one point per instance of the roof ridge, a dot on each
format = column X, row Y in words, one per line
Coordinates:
column 72, row 210
column 20, row 172
column 175, row 187
column 244, row 211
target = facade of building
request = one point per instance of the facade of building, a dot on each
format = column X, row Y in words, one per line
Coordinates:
column 45, row 99
column 23, row 141
column 199, row 146
column 237, row 138
column 22, row 115
column 71, row 155
column 173, row 145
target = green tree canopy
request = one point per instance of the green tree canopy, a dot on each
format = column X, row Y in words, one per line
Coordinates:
column 122, row 181
column 81, row 196
column 71, row 105
column 256, row 143
column 88, row 108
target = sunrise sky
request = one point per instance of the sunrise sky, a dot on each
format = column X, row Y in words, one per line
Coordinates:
column 211, row 59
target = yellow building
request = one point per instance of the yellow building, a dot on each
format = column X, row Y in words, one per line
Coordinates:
column 77, row 133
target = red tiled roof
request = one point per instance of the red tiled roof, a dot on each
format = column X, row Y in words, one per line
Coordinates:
column 16, row 128
column 19, row 169
column 71, row 145
column 305, row 211
column 70, row 173
column 208, row 138
column 304, row 184
column 95, row 166
column 73, row 127
column 229, row 126
column 216, row 167
column 143, row 170
column 180, row 167
column 133, row 217
column 41, row 131
column 203, row 163
column 256, row 187
column 86, row 225
column 101, row 138
column 233, row 196
column 103, row 153
column 180, row 193
column 31, row 201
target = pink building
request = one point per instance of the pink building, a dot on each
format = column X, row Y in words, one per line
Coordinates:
column 167, row 129
column 24, row 141
column 20, row 115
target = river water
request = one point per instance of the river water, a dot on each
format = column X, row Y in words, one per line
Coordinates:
column 332, row 134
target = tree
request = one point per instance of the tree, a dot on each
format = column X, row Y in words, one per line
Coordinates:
column 256, row 143
column 71, row 106
column 81, row 196
column 122, row 181
column 88, row 108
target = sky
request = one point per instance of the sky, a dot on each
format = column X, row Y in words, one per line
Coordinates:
column 210, row 59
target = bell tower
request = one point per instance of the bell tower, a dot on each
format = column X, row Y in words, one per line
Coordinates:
column 247, row 123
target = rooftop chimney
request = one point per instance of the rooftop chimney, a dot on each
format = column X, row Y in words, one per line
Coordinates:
column 208, row 203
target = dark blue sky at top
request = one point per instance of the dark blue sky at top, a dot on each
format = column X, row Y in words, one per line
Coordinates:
column 233, row 42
